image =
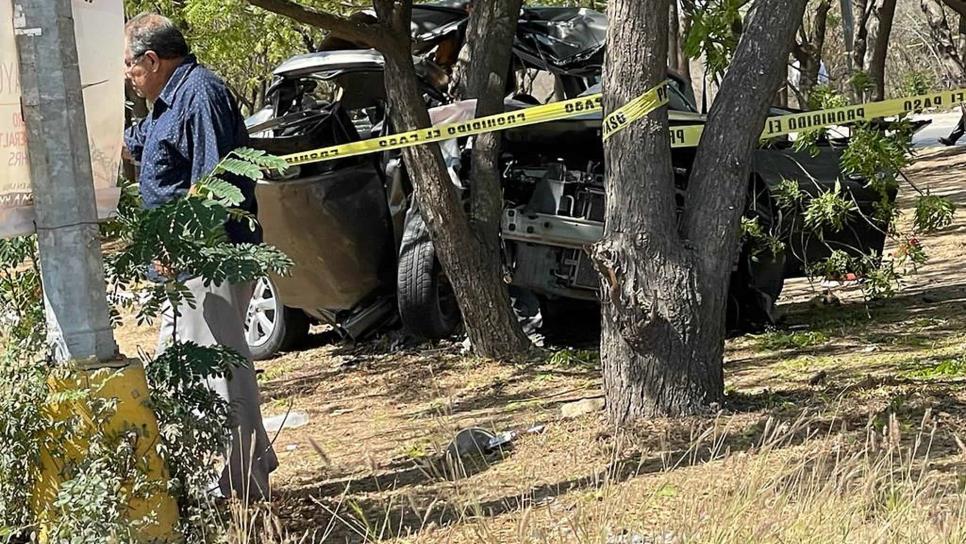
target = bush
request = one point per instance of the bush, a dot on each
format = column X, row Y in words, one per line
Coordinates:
column 100, row 471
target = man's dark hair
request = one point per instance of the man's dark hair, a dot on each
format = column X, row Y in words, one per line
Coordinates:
column 153, row 32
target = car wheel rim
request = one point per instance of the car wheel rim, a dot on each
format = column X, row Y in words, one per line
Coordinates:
column 263, row 314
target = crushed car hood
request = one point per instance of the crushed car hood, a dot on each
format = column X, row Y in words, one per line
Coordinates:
column 431, row 22
column 434, row 21
column 562, row 40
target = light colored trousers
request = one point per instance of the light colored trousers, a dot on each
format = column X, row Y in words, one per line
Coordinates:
column 218, row 318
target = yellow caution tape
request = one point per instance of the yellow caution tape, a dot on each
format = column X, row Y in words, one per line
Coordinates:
column 635, row 110
column 555, row 111
column 781, row 125
column 686, row 136
column 439, row 133
column 681, row 136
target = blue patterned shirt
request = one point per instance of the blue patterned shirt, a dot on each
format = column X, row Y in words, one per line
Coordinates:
column 194, row 124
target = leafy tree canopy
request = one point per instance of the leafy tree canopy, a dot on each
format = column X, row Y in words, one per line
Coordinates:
column 240, row 43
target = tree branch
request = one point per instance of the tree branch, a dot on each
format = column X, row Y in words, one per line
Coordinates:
column 369, row 34
column 719, row 180
column 240, row 96
column 307, row 40
column 959, row 6
column 861, row 40
column 820, row 26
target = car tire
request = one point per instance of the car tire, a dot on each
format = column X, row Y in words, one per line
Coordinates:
column 758, row 280
column 753, row 293
column 270, row 327
column 427, row 305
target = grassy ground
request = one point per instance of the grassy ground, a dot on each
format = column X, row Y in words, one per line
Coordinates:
column 843, row 425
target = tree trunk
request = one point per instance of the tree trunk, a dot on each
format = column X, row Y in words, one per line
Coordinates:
column 489, row 40
column 471, row 261
column 646, row 273
column 138, row 111
column 490, row 322
column 810, row 66
column 861, row 43
column 810, row 52
column 946, row 42
column 877, row 65
column 684, row 16
column 478, row 285
column 664, row 284
column 959, row 6
column 961, row 37
column 675, row 57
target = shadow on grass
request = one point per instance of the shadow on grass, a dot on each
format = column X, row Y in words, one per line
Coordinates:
column 410, row 501
column 942, row 301
column 909, row 324
column 408, row 498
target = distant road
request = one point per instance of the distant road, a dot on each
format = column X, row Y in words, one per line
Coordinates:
column 942, row 125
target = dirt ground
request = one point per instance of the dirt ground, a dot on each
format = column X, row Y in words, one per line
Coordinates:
column 365, row 465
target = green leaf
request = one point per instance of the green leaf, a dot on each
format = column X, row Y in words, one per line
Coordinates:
column 933, row 213
column 239, row 167
column 219, row 190
column 829, row 210
column 261, row 158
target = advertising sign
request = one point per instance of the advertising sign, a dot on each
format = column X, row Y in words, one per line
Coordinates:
column 99, row 30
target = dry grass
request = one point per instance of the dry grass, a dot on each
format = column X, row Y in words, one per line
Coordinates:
column 843, row 426
column 798, row 484
column 806, row 481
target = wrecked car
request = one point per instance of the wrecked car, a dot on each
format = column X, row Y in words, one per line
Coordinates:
column 363, row 257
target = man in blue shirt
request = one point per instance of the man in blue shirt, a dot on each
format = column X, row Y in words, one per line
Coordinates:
column 194, row 122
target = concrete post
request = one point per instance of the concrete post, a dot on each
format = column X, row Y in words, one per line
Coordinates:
column 68, row 241
column 72, row 270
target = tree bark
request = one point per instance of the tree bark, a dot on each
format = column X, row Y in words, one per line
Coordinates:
column 945, row 40
column 959, row 6
column 471, row 262
column 877, row 65
column 490, row 323
column 809, row 52
column 664, row 284
column 489, row 41
column 674, row 54
column 861, row 43
column 482, row 296
column 961, row 38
